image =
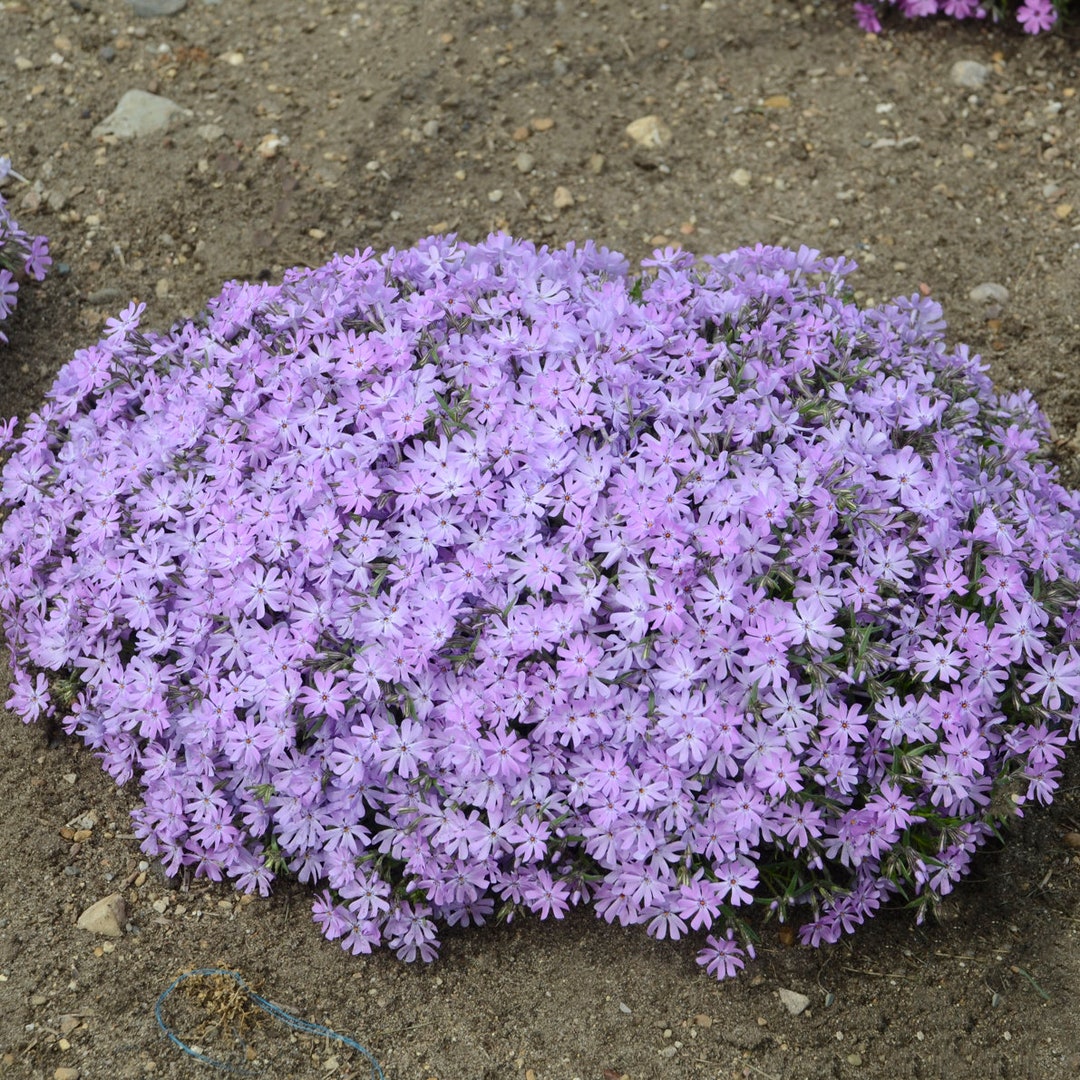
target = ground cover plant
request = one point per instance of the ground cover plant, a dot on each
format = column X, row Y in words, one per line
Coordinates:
column 21, row 255
column 475, row 580
column 1033, row 16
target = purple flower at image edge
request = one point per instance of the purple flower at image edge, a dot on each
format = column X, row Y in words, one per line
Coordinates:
column 468, row 581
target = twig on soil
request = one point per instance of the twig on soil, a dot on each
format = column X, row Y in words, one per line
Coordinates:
column 1062, row 915
column 881, row 974
column 1038, row 989
column 745, row 1065
column 762, row 1072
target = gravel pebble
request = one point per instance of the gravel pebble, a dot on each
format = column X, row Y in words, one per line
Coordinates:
column 649, row 132
column 138, row 113
column 989, row 292
column 969, row 73
column 270, row 144
column 150, row 8
column 793, row 1001
column 563, row 199
column 106, row 917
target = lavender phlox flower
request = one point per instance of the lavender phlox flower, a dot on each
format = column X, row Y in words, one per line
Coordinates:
column 20, row 253
column 1034, row 16
column 477, row 574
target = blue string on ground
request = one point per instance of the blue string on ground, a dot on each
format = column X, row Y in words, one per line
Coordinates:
column 275, row 1011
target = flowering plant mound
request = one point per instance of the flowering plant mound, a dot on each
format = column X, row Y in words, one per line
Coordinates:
column 20, row 253
column 1034, row 16
column 470, row 580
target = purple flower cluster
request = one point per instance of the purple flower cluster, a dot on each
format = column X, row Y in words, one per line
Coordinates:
column 20, row 254
column 478, row 579
column 1034, row 16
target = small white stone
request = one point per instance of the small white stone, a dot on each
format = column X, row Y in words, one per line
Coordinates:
column 741, row 177
column 794, row 1002
column 150, row 8
column 989, row 292
column 969, row 73
column 270, row 144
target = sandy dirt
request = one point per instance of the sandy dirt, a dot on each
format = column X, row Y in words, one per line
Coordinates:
column 313, row 127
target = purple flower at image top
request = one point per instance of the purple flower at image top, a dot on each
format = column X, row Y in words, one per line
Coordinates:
column 1033, row 16
column 467, row 581
column 20, row 253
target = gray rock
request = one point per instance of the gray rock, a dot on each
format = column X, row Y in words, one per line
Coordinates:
column 969, row 73
column 989, row 292
column 138, row 113
column 149, row 8
column 794, row 1002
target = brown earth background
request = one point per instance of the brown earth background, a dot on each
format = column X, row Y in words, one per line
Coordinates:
column 314, row 127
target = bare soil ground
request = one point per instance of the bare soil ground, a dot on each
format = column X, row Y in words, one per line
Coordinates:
column 322, row 125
